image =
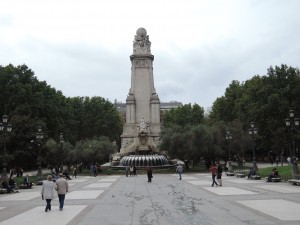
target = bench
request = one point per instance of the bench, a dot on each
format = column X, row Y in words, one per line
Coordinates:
column 254, row 177
column 274, row 179
column 3, row 190
column 294, row 181
column 24, row 186
column 240, row 175
column 39, row 183
column 229, row 173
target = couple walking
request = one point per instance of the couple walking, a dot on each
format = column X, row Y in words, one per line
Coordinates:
column 61, row 186
column 216, row 171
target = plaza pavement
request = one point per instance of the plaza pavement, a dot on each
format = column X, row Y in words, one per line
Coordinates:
column 118, row 200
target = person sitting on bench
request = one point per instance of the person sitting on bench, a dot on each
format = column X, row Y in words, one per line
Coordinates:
column 5, row 185
column 252, row 172
column 26, row 182
column 273, row 174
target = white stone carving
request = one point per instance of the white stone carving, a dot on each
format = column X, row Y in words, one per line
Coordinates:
column 141, row 43
column 157, row 141
column 127, row 141
column 143, row 125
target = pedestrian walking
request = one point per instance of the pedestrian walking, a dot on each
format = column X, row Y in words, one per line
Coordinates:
column 149, row 174
column 131, row 170
column 277, row 160
column 92, row 170
column 213, row 170
column 62, row 188
column 281, row 159
column 48, row 192
column 179, row 169
column 75, row 171
column 219, row 174
column 127, row 170
column 95, row 170
column 288, row 160
column 134, row 170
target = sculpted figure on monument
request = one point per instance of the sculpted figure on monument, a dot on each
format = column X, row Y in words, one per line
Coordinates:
column 143, row 124
column 141, row 38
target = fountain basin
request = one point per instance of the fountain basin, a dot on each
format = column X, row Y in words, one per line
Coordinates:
column 140, row 161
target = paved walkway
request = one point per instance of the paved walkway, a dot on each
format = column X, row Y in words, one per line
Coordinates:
column 118, row 200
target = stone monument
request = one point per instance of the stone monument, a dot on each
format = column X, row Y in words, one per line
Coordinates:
column 141, row 130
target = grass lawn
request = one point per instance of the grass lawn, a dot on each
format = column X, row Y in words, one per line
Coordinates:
column 285, row 172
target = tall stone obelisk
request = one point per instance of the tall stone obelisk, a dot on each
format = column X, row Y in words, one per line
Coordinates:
column 142, row 127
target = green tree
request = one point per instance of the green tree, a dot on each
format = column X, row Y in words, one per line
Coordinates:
column 184, row 115
column 94, row 150
column 264, row 100
column 30, row 103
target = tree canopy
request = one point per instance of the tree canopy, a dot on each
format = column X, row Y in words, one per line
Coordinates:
column 30, row 103
column 263, row 99
column 91, row 124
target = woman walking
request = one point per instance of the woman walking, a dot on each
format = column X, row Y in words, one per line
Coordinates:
column 48, row 192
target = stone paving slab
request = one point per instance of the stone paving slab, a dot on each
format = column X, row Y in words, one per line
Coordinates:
column 38, row 216
column 77, row 180
column 200, row 182
column 244, row 181
column 84, row 194
column 98, row 185
column 165, row 201
column 108, row 180
column 279, row 208
column 280, row 188
column 22, row 196
column 229, row 191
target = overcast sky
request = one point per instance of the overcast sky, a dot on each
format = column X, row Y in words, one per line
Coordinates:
column 82, row 47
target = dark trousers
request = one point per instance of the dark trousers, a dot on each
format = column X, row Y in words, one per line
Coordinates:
column 48, row 206
column 61, row 198
column 214, row 180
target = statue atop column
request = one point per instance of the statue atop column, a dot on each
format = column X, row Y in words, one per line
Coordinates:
column 141, row 43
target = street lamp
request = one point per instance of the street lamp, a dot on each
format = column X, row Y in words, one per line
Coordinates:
column 61, row 141
column 39, row 136
column 292, row 123
column 5, row 128
column 229, row 138
column 253, row 132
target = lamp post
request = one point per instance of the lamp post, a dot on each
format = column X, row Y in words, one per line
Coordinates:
column 253, row 132
column 61, row 141
column 229, row 138
column 5, row 128
column 292, row 123
column 39, row 136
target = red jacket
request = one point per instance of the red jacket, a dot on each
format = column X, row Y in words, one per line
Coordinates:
column 213, row 169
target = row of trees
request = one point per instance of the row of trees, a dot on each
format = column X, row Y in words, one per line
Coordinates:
column 265, row 100
column 89, row 125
